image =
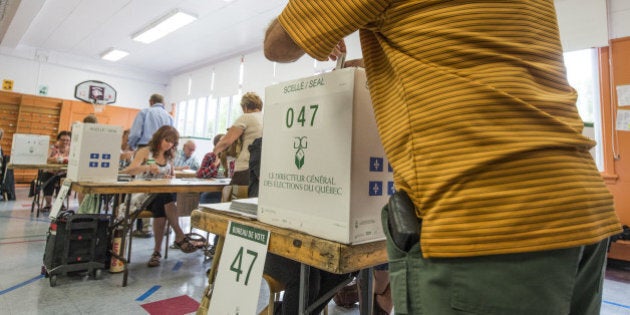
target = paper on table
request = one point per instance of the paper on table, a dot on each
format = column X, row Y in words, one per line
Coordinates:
column 247, row 205
column 226, row 206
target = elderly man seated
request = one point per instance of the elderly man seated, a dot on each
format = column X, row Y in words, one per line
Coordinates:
column 185, row 159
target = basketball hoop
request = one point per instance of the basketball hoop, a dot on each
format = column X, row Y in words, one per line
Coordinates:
column 96, row 93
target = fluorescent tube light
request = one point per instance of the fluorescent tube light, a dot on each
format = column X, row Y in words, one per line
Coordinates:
column 114, row 54
column 164, row 26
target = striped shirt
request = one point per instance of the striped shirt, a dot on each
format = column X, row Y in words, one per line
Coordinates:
column 476, row 117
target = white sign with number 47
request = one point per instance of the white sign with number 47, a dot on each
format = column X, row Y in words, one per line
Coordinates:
column 237, row 286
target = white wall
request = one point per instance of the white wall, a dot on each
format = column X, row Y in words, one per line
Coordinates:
column 619, row 15
column 258, row 73
column 31, row 69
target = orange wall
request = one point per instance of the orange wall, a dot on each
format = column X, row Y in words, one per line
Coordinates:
column 73, row 111
column 615, row 70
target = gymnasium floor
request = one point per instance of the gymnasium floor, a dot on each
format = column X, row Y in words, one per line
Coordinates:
column 175, row 287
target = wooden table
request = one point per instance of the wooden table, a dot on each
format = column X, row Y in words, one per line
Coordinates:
column 39, row 185
column 186, row 174
column 145, row 186
column 309, row 250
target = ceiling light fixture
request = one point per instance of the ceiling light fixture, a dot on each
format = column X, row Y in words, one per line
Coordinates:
column 160, row 28
column 114, row 54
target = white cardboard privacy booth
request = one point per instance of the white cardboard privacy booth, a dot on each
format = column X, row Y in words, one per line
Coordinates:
column 323, row 169
column 29, row 149
column 94, row 152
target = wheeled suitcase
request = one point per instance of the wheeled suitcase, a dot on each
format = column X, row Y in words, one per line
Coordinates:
column 77, row 242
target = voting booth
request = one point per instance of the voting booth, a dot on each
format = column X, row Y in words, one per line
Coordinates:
column 29, row 149
column 94, row 152
column 323, row 169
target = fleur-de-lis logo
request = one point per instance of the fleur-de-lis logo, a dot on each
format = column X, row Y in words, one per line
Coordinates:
column 300, row 143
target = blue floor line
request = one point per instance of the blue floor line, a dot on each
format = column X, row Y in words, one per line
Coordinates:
column 148, row 293
column 617, row 304
column 19, row 285
column 178, row 265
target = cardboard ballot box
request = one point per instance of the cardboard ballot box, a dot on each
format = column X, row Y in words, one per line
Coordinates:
column 323, row 169
column 94, row 152
column 29, row 149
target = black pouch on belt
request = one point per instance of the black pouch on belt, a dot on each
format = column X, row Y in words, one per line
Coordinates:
column 404, row 225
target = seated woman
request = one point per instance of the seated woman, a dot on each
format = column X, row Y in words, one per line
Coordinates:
column 58, row 155
column 156, row 161
column 210, row 169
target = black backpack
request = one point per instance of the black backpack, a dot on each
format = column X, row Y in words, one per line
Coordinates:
column 255, row 150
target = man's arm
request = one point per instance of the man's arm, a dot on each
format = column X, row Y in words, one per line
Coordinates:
column 279, row 46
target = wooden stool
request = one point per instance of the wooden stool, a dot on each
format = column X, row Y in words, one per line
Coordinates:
column 275, row 289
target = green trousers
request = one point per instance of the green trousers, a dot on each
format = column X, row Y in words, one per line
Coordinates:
column 556, row 282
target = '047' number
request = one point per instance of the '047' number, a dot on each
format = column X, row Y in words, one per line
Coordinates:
column 301, row 118
column 237, row 264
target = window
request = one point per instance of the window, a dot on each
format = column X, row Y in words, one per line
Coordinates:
column 583, row 75
column 207, row 116
column 211, row 118
column 224, row 115
column 190, row 119
column 200, row 118
column 180, row 115
column 235, row 109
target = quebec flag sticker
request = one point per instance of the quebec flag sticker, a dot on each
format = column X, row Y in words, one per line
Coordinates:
column 390, row 188
column 376, row 164
column 376, row 188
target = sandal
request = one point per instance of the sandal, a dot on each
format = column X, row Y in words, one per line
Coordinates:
column 186, row 246
column 155, row 260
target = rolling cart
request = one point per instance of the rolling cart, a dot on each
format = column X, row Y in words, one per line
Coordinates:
column 77, row 242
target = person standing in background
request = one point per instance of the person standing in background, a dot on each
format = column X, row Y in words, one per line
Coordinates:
column 146, row 123
column 184, row 160
column 247, row 127
column 480, row 126
column 90, row 119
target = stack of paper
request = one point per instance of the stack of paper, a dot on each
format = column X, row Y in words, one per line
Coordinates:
column 248, row 205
